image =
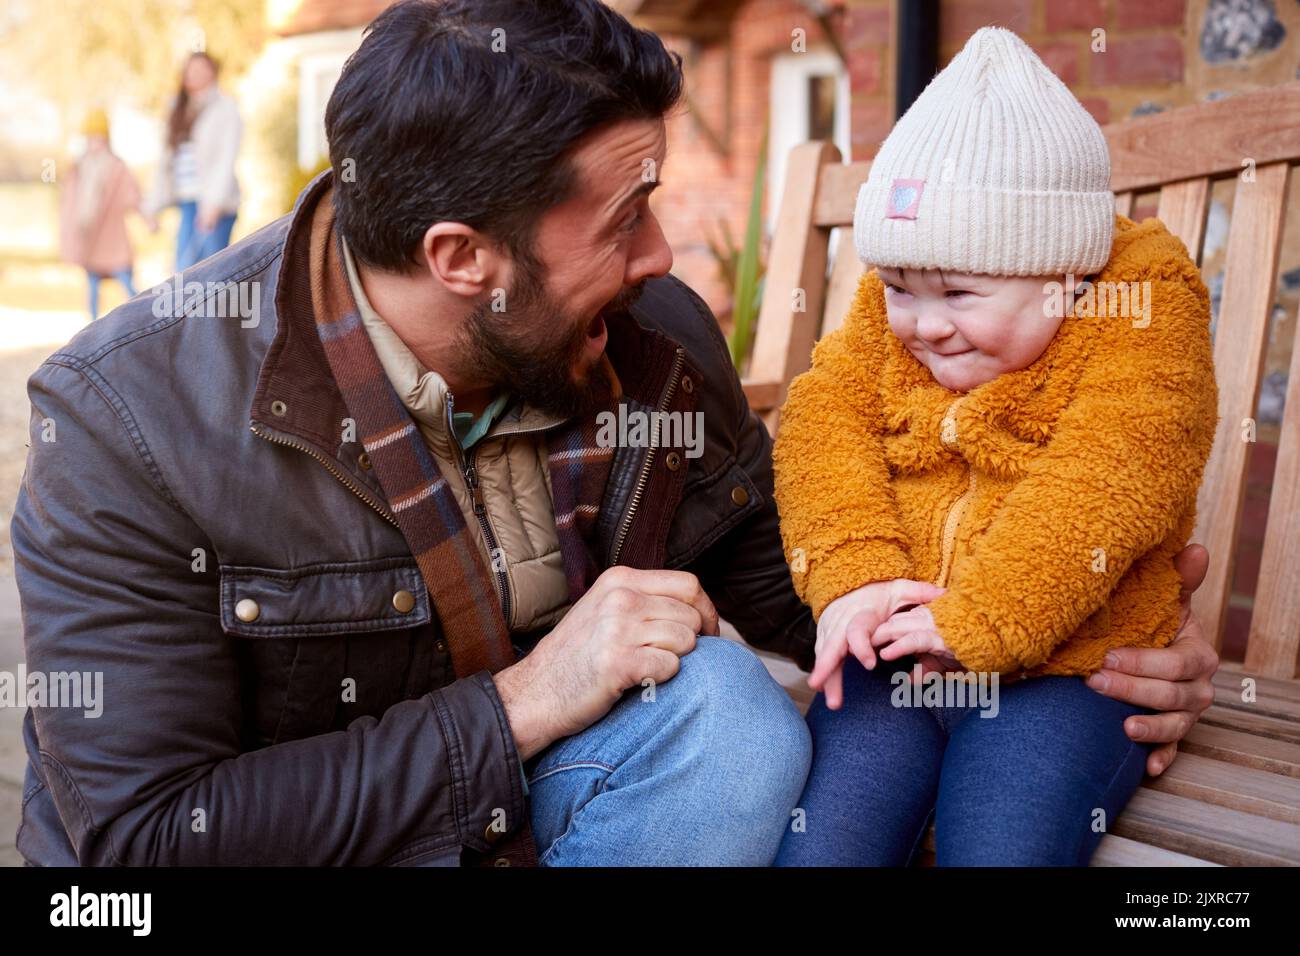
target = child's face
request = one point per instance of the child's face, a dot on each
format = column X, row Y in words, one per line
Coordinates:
column 969, row 329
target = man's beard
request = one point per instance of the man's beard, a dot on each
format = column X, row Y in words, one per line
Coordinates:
column 537, row 351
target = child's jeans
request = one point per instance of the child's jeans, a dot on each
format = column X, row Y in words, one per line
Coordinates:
column 1035, row 785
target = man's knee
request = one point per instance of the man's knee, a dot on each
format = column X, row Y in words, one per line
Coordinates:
column 725, row 682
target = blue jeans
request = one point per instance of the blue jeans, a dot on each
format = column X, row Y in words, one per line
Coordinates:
column 194, row 246
column 1032, row 786
column 93, row 279
column 706, row 773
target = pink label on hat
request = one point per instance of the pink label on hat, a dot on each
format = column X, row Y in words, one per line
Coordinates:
column 904, row 198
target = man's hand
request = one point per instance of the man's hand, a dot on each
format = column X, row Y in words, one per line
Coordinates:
column 630, row 626
column 1173, row 679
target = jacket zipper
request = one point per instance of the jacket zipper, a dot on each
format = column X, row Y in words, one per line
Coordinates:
column 678, row 360
column 948, row 544
column 470, row 474
column 950, row 528
column 346, row 481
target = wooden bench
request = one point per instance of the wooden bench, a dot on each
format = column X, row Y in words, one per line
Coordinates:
column 1233, row 795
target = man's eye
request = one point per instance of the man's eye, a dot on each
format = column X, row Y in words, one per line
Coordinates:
column 632, row 224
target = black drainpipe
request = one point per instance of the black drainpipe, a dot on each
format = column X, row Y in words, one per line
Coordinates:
column 918, row 50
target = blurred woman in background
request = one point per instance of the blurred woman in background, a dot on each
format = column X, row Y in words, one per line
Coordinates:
column 97, row 194
column 197, row 169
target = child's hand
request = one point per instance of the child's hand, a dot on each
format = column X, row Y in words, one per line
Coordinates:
column 847, row 624
column 913, row 632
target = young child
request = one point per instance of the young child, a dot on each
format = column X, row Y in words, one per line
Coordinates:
column 98, row 192
column 988, row 469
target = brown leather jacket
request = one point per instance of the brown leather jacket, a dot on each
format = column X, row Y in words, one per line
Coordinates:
column 164, row 489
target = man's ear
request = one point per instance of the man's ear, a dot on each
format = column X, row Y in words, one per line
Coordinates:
column 462, row 259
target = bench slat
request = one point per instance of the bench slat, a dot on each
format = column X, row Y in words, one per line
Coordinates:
column 1287, row 731
column 784, row 339
column 1209, row 139
column 1120, row 851
column 1227, row 693
column 1208, row 832
column 1230, row 674
column 1250, row 275
column 1241, row 748
column 838, row 196
column 762, row 396
column 1258, row 792
column 1273, row 646
column 1111, row 851
column 846, row 273
column 1183, row 208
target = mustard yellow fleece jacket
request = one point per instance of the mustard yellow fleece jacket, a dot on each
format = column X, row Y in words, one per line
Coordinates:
column 1049, row 502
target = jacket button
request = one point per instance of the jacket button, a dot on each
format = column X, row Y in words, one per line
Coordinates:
column 441, row 647
column 279, row 408
column 493, row 833
column 739, row 496
column 404, row 600
column 247, row 610
column 364, row 461
column 673, row 461
column 688, row 386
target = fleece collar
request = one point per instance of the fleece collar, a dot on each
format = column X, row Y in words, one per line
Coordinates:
column 998, row 426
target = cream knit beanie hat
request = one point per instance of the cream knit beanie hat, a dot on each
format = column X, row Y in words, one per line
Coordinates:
column 996, row 169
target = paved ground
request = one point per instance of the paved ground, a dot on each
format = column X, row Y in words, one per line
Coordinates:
column 18, row 359
column 11, row 719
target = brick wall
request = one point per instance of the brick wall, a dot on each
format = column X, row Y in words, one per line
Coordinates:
column 703, row 184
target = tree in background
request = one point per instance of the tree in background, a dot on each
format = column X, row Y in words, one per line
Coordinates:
column 79, row 54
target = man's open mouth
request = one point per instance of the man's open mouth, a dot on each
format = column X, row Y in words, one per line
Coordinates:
column 597, row 336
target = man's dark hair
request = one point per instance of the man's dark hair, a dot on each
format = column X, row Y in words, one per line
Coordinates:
column 463, row 110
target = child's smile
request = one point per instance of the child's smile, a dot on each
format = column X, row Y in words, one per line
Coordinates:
column 969, row 329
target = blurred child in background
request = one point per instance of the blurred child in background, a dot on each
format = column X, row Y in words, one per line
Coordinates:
column 97, row 194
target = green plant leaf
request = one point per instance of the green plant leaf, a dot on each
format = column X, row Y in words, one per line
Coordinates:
column 749, row 267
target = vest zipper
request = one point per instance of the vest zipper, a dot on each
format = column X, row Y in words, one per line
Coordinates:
column 470, row 474
column 679, row 360
column 344, row 479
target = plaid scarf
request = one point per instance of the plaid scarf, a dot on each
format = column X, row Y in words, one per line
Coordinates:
column 424, row 506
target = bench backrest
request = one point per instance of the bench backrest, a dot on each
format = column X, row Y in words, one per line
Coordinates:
column 1254, row 137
